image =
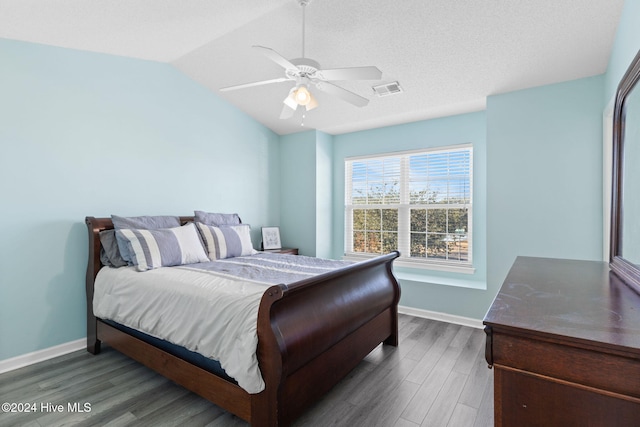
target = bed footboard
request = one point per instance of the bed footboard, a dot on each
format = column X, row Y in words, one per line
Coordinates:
column 314, row 332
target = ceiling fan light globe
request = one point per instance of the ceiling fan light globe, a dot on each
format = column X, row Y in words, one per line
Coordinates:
column 313, row 103
column 302, row 96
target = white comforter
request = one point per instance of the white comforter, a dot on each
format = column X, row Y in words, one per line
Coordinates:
column 213, row 315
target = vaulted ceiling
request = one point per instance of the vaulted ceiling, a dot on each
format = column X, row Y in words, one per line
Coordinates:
column 447, row 56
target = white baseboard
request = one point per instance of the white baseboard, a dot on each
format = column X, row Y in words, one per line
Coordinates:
column 443, row 317
column 41, row 355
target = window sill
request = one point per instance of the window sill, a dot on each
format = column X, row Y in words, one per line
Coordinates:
column 439, row 280
column 407, row 263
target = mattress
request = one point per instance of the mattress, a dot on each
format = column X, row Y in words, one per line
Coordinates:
column 192, row 357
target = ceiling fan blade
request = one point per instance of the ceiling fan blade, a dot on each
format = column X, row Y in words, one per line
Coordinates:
column 263, row 82
column 287, row 112
column 276, row 57
column 353, row 73
column 341, row 93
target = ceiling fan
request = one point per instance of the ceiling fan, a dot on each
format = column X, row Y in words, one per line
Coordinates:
column 306, row 73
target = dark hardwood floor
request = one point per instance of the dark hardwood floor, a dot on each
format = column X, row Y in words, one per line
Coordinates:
column 436, row 377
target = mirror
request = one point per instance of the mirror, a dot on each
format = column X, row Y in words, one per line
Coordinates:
column 630, row 227
column 625, row 210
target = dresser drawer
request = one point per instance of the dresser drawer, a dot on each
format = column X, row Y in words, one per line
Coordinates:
column 589, row 367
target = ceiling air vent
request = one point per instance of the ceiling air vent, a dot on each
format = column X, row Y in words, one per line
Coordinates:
column 387, row 89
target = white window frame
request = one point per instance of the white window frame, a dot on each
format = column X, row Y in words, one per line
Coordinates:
column 404, row 219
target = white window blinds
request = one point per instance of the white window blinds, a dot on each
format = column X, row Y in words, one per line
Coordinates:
column 417, row 202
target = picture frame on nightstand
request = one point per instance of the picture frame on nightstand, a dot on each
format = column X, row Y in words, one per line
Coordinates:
column 271, row 238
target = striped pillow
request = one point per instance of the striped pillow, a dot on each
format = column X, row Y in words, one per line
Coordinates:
column 164, row 247
column 226, row 241
column 140, row 222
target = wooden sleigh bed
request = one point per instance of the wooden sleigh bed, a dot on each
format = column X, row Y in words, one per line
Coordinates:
column 311, row 334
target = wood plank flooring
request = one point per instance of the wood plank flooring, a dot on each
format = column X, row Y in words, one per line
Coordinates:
column 437, row 376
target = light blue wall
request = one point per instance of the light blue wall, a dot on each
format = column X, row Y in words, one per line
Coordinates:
column 298, row 191
column 324, row 194
column 424, row 293
column 306, row 192
column 544, row 163
column 90, row 134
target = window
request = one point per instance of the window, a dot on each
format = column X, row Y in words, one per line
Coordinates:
column 417, row 202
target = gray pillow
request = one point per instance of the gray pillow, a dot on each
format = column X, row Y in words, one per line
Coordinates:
column 217, row 219
column 142, row 223
column 109, row 252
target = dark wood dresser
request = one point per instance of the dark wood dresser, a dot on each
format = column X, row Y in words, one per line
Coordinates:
column 563, row 338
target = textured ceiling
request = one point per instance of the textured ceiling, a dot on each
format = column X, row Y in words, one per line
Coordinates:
column 448, row 56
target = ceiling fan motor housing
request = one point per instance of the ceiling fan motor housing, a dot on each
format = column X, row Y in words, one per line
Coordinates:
column 306, row 67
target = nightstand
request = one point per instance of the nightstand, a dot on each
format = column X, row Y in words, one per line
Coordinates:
column 288, row 251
